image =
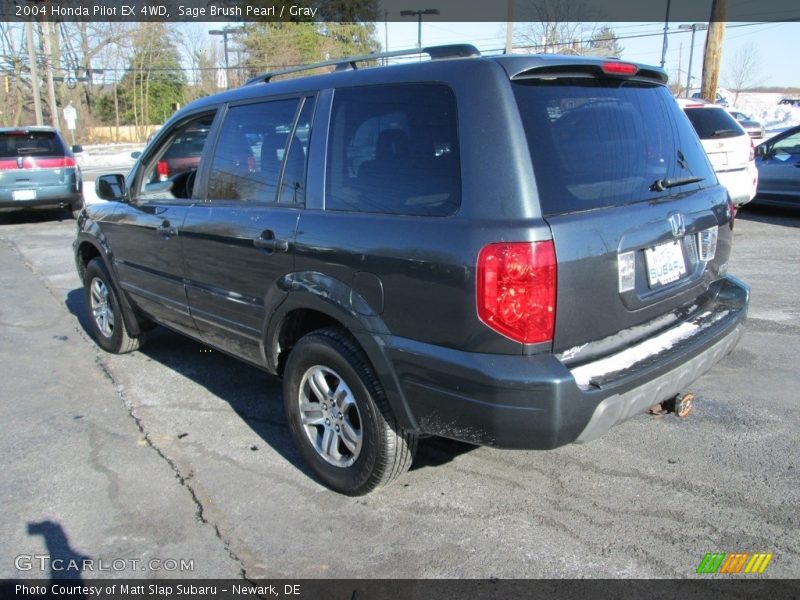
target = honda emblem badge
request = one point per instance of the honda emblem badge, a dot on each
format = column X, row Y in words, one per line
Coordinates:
column 677, row 224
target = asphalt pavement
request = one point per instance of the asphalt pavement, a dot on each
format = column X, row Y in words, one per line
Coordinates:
column 179, row 452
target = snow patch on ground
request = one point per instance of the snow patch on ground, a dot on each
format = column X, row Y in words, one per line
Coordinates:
column 108, row 155
column 764, row 107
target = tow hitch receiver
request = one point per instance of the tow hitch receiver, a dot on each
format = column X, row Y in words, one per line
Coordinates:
column 681, row 405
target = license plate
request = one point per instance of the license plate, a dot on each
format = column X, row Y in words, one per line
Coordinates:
column 665, row 263
column 718, row 159
column 24, row 194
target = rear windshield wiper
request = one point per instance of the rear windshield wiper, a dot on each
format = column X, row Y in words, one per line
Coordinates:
column 720, row 132
column 659, row 185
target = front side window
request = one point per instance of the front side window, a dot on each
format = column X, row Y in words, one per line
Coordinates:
column 258, row 144
column 394, row 149
column 170, row 173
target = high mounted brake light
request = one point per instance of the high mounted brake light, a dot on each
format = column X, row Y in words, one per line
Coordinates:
column 619, row 68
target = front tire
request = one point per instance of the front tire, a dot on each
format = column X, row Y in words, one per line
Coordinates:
column 105, row 311
column 339, row 416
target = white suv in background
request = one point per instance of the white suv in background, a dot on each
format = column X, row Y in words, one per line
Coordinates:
column 728, row 146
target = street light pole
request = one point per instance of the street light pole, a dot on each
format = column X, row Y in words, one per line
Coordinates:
column 418, row 14
column 694, row 27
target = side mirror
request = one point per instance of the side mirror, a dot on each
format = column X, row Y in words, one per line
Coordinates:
column 111, row 187
column 136, row 154
column 77, row 148
column 761, row 151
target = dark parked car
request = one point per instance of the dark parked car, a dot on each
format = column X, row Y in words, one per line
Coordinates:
column 518, row 251
column 37, row 169
column 753, row 128
column 778, row 163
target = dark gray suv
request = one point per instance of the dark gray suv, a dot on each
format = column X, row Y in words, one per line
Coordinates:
column 518, row 251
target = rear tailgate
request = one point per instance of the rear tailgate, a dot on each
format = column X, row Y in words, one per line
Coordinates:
column 669, row 278
column 728, row 146
column 629, row 196
column 33, row 159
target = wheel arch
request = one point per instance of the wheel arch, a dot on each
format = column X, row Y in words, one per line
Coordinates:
column 306, row 310
column 87, row 249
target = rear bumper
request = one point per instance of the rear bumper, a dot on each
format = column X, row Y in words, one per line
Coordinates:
column 741, row 183
column 49, row 196
column 537, row 402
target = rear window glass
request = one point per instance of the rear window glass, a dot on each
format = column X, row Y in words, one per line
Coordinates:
column 713, row 123
column 597, row 143
column 30, row 143
column 394, row 149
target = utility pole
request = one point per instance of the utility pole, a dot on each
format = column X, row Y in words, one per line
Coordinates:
column 37, row 101
column 713, row 53
column 419, row 14
column 665, row 43
column 225, row 33
column 510, row 27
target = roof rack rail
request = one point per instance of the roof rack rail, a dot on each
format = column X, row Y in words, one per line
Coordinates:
column 350, row 63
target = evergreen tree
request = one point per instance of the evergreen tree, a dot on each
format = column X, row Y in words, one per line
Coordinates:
column 154, row 81
column 605, row 43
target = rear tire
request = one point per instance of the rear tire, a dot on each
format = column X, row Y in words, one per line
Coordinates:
column 339, row 415
column 105, row 311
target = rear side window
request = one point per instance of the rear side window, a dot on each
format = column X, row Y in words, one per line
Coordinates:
column 713, row 123
column 394, row 149
column 596, row 142
column 30, row 143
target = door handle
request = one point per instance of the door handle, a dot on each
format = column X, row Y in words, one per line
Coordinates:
column 166, row 229
column 267, row 241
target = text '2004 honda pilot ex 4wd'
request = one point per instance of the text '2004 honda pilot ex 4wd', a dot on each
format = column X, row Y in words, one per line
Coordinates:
column 518, row 251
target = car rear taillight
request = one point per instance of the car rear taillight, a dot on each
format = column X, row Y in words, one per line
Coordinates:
column 752, row 151
column 162, row 168
column 731, row 211
column 619, row 68
column 34, row 162
column 516, row 290
column 57, row 162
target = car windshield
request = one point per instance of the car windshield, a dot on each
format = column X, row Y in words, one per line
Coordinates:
column 597, row 143
column 30, row 143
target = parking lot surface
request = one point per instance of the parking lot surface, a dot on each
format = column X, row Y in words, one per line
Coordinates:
column 176, row 461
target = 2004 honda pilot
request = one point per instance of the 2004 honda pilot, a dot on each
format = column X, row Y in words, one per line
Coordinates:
column 518, row 251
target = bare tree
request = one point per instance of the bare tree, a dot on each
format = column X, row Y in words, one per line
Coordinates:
column 555, row 27
column 13, row 65
column 743, row 71
column 200, row 55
